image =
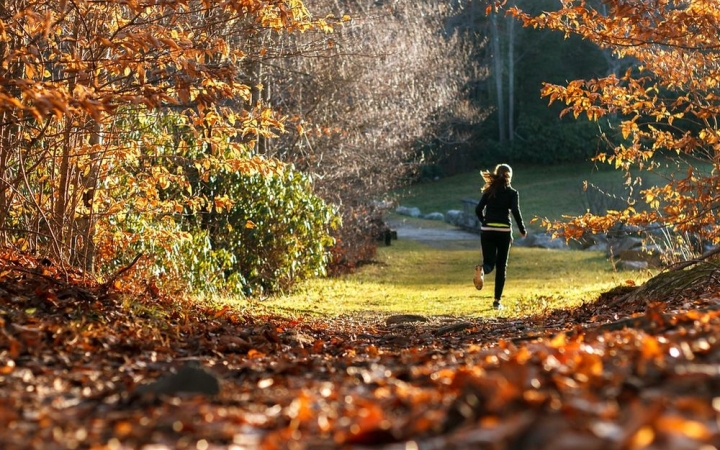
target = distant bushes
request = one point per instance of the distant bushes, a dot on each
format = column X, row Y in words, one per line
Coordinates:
column 538, row 141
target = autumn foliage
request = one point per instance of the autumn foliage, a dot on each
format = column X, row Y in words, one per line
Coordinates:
column 87, row 365
column 118, row 119
column 663, row 108
column 128, row 127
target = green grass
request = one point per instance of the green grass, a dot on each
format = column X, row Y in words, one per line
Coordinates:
column 410, row 277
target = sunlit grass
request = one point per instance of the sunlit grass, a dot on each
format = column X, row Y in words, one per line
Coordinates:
column 410, row 277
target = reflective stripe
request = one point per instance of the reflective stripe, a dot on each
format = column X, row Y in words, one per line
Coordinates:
column 505, row 228
column 497, row 224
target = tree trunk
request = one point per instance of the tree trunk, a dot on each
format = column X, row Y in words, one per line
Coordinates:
column 85, row 223
column 498, row 69
column 63, row 215
column 511, row 79
column 60, row 220
column 260, row 93
column 9, row 128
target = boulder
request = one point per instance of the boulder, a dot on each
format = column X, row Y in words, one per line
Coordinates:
column 618, row 245
column 452, row 216
column 189, row 379
column 633, row 265
column 434, row 216
column 462, row 220
column 599, row 247
column 542, row 240
column 408, row 211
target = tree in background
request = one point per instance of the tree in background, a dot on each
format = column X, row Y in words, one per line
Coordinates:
column 667, row 105
column 365, row 101
column 522, row 126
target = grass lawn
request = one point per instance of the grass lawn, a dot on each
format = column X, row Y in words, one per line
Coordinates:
column 410, row 277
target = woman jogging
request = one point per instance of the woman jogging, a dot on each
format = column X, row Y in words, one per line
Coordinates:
column 498, row 201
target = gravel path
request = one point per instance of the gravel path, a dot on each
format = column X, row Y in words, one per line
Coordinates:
column 434, row 236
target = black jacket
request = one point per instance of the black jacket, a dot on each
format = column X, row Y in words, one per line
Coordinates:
column 494, row 212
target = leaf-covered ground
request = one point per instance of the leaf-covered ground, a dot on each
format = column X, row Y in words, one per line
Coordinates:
column 81, row 366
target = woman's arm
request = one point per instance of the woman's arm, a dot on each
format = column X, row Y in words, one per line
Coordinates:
column 515, row 209
column 480, row 209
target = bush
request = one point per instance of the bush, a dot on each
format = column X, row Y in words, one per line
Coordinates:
column 539, row 141
column 276, row 233
column 556, row 142
column 211, row 218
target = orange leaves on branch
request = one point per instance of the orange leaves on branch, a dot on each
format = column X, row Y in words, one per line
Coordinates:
column 663, row 104
column 120, row 109
column 222, row 203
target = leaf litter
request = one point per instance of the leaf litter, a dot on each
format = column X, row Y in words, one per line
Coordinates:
column 82, row 366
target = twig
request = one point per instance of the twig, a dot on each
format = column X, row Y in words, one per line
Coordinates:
column 705, row 256
column 106, row 286
column 37, row 273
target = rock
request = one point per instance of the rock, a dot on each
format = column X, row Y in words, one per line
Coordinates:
column 452, row 216
column 459, row 326
column 599, row 247
column 620, row 244
column 542, row 240
column 408, row 211
column 633, row 265
column 189, row 379
column 434, row 216
column 405, row 318
column 468, row 222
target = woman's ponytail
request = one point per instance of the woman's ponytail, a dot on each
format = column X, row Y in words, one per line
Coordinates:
column 500, row 178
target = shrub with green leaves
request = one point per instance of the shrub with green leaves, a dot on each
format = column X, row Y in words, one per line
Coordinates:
column 277, row 232
column 214, row 219
column 555, row 142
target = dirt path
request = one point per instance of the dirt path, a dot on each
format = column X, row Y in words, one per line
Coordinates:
column 434, row 234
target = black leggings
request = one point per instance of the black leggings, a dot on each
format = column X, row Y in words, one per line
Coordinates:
column 495, row 250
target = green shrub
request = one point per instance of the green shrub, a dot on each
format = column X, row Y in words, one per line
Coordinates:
column 538, row 141
column 213, row 219
column 276, row 233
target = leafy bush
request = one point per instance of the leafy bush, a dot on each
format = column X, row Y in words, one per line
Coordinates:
column 555, row 142
column 276, row 232
column 539, row 141
column 212, row 219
